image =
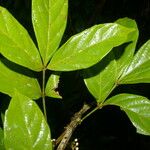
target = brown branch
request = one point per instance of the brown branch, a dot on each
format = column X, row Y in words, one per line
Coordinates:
column 75, row 121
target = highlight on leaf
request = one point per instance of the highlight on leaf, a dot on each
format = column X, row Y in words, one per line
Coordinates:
column 92, row 44
column 137, row 109
column 16, row 44
column 28, row 129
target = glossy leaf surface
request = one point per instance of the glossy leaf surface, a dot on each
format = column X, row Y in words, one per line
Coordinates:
column 89, row 47
column 49, row 19
column 25, row 127
column 139, row 69
column 124, row 54
column 100, row 79
column 136, row 107
column 52, row 86
column 16, row 44
column 10, row 80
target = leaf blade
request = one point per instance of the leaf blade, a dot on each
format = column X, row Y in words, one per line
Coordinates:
column 29, row 129
column 10, row 80
column 2, row 147
column 124, row 57
column 49, row 19
column 16, row 44
column 139, row 69
column 52, row 85
column 92, row 44
column 101, row 78
column 136, row 107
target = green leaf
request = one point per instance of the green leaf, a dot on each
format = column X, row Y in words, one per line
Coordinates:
column 16, row 44
column 52, row 85
column 25, row 127
column 100, row 79
column 2, row 139
column 89, row 47
column 125, row 55
column 10, row 80
column 49, row 19
column 136, row 107
column 139, row 69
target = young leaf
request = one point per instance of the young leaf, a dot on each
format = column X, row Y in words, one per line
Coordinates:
column 139, row 69
column 49, row 19
column 100, row 79
column 10, row 80
column 89, row 47
column 52, row 85
column 124, row 56
column 16, row 44
column 136, row 107
column 25, row 127
column 2, row 139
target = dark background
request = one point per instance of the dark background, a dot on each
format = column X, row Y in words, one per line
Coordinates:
column 109, row 128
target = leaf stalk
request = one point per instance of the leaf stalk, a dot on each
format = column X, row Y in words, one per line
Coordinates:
column 43, row 93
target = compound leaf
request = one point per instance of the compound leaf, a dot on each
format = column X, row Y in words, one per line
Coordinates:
column 25, row 126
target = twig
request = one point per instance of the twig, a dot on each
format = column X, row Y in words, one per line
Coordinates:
column 75, row 121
